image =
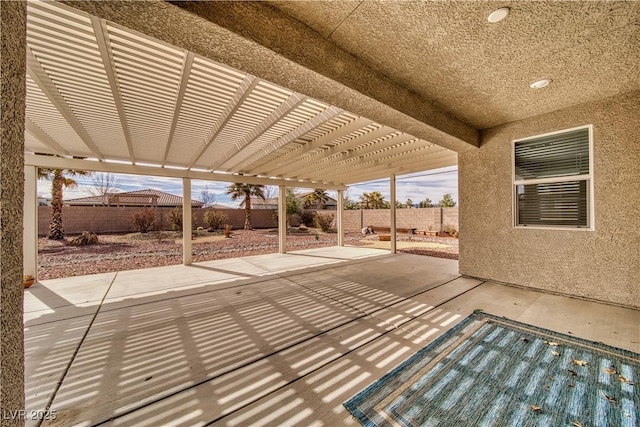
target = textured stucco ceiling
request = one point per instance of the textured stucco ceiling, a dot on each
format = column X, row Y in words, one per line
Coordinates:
column 449, row 53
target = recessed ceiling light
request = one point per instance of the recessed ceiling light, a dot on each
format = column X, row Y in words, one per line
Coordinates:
column 498, row 15
column 540, row 84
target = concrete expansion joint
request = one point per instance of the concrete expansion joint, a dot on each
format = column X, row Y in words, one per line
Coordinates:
column 77, row 350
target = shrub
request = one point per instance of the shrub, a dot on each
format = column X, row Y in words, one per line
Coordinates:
column 143, row 220
column 451, row 230
column 215, row 219
column 307, row 218
column 323, row 221
column 175, row 219
column 85, row 239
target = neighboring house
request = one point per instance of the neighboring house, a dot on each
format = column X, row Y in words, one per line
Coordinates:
column 219, row 206
column 331, row 204
column 44, row 201
column 136, row 198
column 258, row 203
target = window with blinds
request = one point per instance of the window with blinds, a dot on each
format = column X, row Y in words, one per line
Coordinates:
column 553, row 180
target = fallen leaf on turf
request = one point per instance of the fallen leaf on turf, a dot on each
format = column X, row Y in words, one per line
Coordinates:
column 525, row 339
column 553, row 344
column 577, row 424
column 579, row 362
column 609, row 398
column 570, row 385
column 572, row 372
column 610, row 371
column 536, row 409
column 623, row 379
column 555, row 353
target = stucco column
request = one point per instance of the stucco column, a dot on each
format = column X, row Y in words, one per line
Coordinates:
column 186, row 221
column 340, row 218
column 282, row 219
column 30, row 222
column 12, row 107
column 392, row 185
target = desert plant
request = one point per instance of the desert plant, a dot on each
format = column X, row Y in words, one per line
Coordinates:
column 215, row 219
column 451, row 230
column 143, row 220
column 323, row 221
column 175, row 219
column 85, row 239
column 245, row 192
column 227, row 230
column 60, row 179
column 307, row 218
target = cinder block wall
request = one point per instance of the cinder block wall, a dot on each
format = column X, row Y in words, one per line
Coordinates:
column 105, row 219
column 422, row 219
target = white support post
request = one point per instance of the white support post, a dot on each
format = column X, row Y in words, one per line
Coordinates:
column 30, row 222
column 186, row 221
column 282, row 219
column 392, row 185
column 340, row 218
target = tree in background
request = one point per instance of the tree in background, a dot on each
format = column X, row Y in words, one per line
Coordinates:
column 426, row 203
column 409, row 203
column 293, row 204
column 60, row 179
column 207, row 197
column 104, row 184
column 270, row 192
column 348, row 203
column 245, row 191
column 447, row 201
column 373, row 200
column 400, row 205
column 316, row 199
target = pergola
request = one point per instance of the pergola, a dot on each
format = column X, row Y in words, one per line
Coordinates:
column 102, row 97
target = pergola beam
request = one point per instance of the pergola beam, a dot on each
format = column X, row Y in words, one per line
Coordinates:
column 89, row 165
column 306, row 161
column 356, row 158
column 394, row 162
column 260, row 158
column 184, row 81
column 284, row 159
column 242, row 92
column 270, row 121
column 44, row 137
column 104, row 45
column 41, row 78
column 384, row 170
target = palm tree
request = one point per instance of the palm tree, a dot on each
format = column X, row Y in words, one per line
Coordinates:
column 373, row 200
column 245, row 191
column 58, row 183
column 317, row 198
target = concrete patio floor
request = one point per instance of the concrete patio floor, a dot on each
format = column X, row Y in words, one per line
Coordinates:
column 262, row 341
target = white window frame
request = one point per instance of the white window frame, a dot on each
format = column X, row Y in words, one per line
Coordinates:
column 590, row 192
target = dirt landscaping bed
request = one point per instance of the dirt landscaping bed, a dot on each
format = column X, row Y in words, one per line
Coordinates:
column 132, row 251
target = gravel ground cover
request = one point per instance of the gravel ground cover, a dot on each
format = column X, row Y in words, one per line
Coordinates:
column 131, row 251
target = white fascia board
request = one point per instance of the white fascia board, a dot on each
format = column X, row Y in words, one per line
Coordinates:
column 90, row 165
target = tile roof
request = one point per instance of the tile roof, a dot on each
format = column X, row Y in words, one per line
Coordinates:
column 137, row 198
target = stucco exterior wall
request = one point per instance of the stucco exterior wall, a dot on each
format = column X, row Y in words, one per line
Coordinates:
column 603, row 264
column 12, row 108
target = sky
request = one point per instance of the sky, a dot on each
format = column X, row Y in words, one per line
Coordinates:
column 432, row 184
